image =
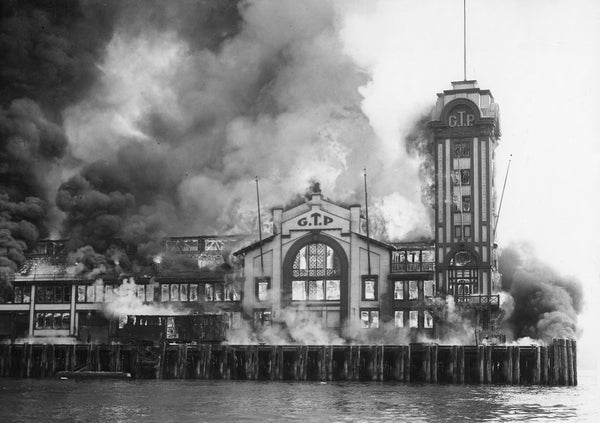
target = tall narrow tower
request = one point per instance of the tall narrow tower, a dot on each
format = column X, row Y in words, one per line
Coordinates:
column 466, row 131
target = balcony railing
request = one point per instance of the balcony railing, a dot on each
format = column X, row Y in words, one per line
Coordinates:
column 413, row 267
column 492, row 300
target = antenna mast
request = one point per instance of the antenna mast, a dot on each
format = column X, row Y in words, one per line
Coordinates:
column 502, row 196
column 262, row 265
column 465, row 40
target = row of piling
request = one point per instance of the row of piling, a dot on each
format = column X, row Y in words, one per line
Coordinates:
column 555, row 364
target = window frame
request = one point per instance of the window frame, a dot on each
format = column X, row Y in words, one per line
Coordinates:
column 370, row 312
column 258, row 281
column 364, row 280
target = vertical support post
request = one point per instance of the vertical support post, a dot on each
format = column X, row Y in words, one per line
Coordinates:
column 427, row 364
column 509, row 365
column 488, row 364
column 372, row 365
column 517, row 365
column 461, row 364
column 555, row 362
column 407, row 363
column 537, row 368
column 453, row 363
column 29, row 360
column 329, row 362
column 563, row 365
column 98, row 364
column 544, row 365
column 574, row 349
column 480, row 363
column 434, row 364
column 74, row 357
column 381, row 361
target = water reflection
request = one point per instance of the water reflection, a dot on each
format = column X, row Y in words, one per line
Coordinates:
column 183, row 401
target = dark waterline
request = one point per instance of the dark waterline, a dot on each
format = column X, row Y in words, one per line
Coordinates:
column 27, row 400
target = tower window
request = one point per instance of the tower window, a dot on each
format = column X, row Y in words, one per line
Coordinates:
column 465, row 176
column 462, row 149
column 467, row 231
column 466, row 203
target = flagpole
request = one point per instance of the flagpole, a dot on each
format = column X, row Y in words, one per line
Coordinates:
column 502, row 196
column 262, row 265
column 367, row 216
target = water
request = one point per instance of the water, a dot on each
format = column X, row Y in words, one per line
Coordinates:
column 27, row 400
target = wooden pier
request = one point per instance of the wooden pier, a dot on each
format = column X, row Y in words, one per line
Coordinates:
column 554, row 365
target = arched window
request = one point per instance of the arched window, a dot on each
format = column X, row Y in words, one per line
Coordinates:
column 316, row 274
column 462, row 275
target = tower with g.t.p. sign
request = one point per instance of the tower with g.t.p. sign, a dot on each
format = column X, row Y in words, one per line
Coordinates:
column 465, row 130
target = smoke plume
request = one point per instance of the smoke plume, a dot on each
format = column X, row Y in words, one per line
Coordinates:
column 546, row 304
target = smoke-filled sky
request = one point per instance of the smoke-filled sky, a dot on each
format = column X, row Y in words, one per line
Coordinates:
column 141, row 119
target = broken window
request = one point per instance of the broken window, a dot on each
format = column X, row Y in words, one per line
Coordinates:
column 262, row 288
column 427, row 320
column 208, row 292
column 462, row 149
column 369, row 288
column 369, row 318
column 183, row 292
column 315, row 290
column 466, row 203
column 164, row 292
column 332, row 290
column 398, row 290
column 428, row 288
column 465, row 176
column 413, row 290
column 262, row 318
column 298, row 291
column 399, row 318
column 193, row 292
column 413, row 319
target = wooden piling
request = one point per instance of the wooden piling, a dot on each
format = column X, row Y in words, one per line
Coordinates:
column 329, row 362
column 73, row 358
column 480, row 363
column 544, row 365
column 509, row 364
column 570, row 376
column 407, row 363
column 434, row 363
column 563, row 363
column 555, row 362
column 537, row 367
column 44, row 361
column 574, row 350
column 517, row 365
column 161, row 362
column 29, row 360
column 453, row 364
column 488, row 364
column 427, row 364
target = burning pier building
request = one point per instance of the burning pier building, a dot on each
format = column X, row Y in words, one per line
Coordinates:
column 317, row 268
column 318, row 279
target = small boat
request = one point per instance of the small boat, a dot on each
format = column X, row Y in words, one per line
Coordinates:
column 92, row 375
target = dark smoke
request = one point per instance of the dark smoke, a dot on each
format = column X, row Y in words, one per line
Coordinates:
column 546, row 304
column 49, row 52
column 419, row 144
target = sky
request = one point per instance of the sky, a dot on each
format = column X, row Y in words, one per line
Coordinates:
column 541, row 61
column 169, row 111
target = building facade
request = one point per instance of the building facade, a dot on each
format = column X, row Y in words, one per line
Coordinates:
column 316, row 261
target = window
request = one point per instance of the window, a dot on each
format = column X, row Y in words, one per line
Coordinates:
column 465, row 176
column 398, row 290
column 457, row 231
column 52, row 320
column 369, row 318
column 262, row 318
column 369, row 288
column 428, row 288
column 399, row 319
column 262, row 288
column 463, row 282
column 467, row 231
column 53, row 294
column 413, row 319
column 176, row 292
column 316, row 274
column 413, row 290
column 22, row 295
column 427, row 320
column 466, row 203
column 462, row 149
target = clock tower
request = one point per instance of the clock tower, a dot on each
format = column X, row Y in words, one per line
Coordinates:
column 466, row 131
